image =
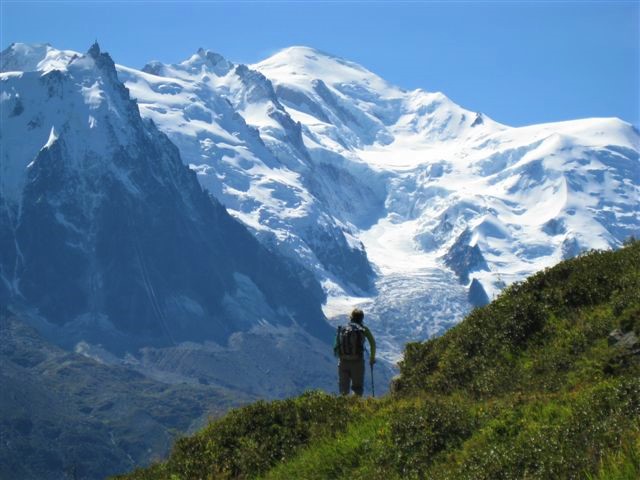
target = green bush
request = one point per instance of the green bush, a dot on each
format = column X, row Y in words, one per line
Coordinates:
column 250, row 440
column 421, row 429
column 561, row 437
column 623, row 464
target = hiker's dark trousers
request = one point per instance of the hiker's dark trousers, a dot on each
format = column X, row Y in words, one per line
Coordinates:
column 351, row 376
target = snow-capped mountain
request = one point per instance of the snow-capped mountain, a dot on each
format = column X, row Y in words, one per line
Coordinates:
column 358, row 192
column 349, row 175
column 449, row 205
column 310, row 196
column 107, row 238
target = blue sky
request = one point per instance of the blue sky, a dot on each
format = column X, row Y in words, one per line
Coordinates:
column 519, row 62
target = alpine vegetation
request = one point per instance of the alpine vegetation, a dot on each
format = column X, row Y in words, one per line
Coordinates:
column 544, row 382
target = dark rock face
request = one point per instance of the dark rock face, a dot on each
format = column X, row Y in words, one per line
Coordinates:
column 349, row 264
column 554, row 226
column 627, row 342
column 8, row 249
column 479, row 120
column 52, row 265
column 463, row 258
column 477, row 295
column 571, row 247
column 258, row 86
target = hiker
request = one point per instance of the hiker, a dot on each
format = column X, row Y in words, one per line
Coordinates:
column 349, row 347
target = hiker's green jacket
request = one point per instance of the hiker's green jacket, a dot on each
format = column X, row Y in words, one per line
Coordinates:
column 370, row 339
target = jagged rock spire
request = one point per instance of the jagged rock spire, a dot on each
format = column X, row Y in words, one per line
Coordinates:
column 94, row 50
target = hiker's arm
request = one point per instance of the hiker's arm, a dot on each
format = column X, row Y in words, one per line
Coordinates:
column 336, row 347
column 372, row 344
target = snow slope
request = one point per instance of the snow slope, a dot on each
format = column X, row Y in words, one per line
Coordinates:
column 232, row 130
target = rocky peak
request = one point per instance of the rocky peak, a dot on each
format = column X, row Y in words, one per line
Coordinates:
column 209, row 61
column 94, row 50
column 103, row 60
column 258, row 86
column 214, row 59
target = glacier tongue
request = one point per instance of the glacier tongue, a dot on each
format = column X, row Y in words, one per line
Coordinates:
column 408, row 306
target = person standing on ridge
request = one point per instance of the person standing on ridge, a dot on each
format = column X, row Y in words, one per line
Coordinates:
column 349, row 348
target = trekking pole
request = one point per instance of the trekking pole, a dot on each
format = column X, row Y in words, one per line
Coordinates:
column 373, row 389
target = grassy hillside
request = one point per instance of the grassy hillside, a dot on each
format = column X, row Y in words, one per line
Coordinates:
column 543, row 383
